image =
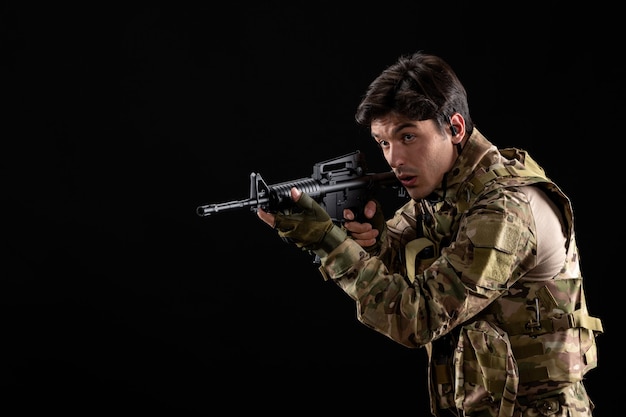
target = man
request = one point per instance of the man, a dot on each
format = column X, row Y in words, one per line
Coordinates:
column 480, row 267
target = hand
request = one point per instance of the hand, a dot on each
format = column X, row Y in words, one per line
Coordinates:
column 270, row 218
column 365, row 234
column 306, row 227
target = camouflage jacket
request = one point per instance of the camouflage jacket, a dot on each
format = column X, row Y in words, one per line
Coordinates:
column 496, row 341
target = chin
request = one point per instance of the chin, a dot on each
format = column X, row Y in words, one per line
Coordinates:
column 415, row 195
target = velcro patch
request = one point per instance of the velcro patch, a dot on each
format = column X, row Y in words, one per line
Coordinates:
column 495, row 245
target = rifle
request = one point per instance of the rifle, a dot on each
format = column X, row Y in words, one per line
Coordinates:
column 336, row 184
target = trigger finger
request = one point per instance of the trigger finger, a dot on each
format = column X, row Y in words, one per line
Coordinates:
column 348, row 214
column 370, row 209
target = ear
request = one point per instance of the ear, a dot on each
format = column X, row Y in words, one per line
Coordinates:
column 457, row 127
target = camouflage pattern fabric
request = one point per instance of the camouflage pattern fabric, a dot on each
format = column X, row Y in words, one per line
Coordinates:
column 498, row 344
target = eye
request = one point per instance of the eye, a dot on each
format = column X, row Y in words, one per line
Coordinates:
column 383, row 143
column 408, row 137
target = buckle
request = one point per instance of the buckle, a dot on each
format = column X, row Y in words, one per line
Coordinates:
column 534, row 326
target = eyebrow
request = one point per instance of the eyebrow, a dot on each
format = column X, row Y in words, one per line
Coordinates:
column 397, row 128
column 402, row 126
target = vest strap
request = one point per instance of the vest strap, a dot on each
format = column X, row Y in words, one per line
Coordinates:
column 550, row 325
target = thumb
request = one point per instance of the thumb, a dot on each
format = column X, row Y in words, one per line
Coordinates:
column 295, row 194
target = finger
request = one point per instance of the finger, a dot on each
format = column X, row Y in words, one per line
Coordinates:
column 356, row 227
column 370, row 234
column 348, row 214
column 370, row 209
column 364, row 243
column 268, row 218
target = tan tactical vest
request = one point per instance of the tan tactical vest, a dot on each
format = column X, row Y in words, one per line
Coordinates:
column 533, row 342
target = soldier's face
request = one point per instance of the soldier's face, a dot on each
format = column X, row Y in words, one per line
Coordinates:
column 417, row 151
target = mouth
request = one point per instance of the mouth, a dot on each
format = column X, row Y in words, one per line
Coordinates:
column 407, row 180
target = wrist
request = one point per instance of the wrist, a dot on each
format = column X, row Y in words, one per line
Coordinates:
column 332, row 239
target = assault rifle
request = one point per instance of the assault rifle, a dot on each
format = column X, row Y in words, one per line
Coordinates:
column 336, row 184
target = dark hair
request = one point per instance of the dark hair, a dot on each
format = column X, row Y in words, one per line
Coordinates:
column 419, row 86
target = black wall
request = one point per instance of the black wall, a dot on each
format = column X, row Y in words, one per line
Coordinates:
column 121, row 120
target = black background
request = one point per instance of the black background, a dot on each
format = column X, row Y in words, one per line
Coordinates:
column 121, row 119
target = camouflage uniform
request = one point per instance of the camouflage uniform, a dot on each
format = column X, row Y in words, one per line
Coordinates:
column 499, row 343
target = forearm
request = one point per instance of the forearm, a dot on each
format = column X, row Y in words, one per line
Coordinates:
column 385, row 301
column 412, row 314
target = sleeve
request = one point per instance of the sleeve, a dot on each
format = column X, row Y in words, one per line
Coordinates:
column 494, row 246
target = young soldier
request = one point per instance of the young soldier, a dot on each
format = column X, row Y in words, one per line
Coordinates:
column 480, row 267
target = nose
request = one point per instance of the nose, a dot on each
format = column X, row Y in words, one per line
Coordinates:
column 394, row 156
